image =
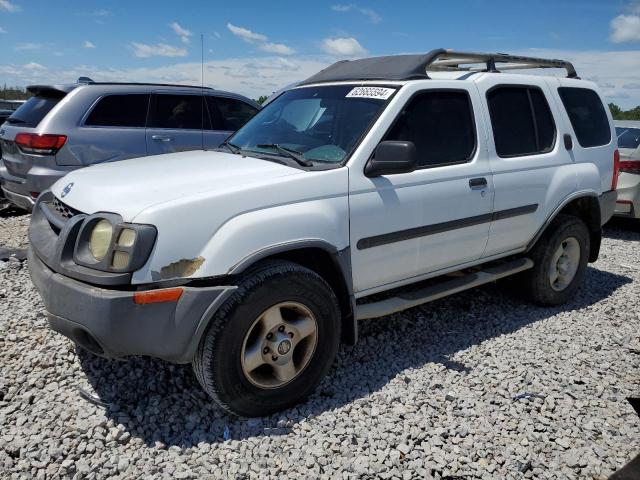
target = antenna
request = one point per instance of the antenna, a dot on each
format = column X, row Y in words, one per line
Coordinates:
column 204, row 103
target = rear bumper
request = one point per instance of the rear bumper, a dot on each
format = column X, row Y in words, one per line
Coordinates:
column 628, row 202
column 109, row 323
column 18, row 199
column 38, row 179
column 607, row 205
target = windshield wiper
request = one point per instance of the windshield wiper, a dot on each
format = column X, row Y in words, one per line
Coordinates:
column 233, row 148
column 15, row 120
column 297, row 156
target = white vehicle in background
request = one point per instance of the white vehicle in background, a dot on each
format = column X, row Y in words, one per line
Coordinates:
column 628, row 203
column 374, row 186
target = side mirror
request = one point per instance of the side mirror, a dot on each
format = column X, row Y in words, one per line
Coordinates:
column 392, row 156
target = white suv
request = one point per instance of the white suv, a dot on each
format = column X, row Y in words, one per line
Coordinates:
column 353, row 195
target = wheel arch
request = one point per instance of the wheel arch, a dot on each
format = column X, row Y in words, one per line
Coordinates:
column 585, row 206
column 332, row 264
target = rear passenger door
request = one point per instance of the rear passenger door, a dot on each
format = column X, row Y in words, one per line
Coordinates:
column 176, row 122
column 227, row 115
column 532, row 170
column 113, row 129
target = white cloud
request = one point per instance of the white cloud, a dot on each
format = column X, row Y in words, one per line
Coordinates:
column 28, row 46
column 88, row 44
column 7, row 6
column 367, row 12
column 2, row 30
column 33, row 66
column 625, row 29
column 277, row 48
column 246, row 34
column 264, row 45
column 343, row 47
column 143, row 50
column 183, row 33
column 611, row 70
column 217, row 34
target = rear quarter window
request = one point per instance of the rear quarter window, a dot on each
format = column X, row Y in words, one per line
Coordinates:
column 31, row 113
column 587, row 115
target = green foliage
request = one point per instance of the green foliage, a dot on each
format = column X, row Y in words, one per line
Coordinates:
column 13, row 93
column 261, row 99
column 619, row 114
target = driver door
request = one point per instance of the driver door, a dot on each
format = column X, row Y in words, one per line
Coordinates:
column 404, row 226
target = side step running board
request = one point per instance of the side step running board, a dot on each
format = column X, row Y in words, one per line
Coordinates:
column 440, row 290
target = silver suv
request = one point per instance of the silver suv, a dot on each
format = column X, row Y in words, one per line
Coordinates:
column 65, row 127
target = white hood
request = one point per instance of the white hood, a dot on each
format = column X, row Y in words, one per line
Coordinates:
column 129, row 186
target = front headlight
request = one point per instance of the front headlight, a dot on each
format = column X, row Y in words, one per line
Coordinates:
column 100, row 239
column 106, row 243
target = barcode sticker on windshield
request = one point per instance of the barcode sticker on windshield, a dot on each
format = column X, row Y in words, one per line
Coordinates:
column 381, row 93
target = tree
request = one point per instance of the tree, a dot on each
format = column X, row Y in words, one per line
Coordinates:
column 261, row 99
column 619, row 114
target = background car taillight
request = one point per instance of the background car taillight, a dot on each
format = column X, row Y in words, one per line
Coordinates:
column 42, row 144
column 616, row 169
column 631, row 165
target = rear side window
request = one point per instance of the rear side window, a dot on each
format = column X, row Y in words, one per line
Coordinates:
column 178, row 112
column 440, row 124
column 521, row 120
column 630, row 138
column 228, row 113
column 588, row 116
column 34, row 110
column 119, row 111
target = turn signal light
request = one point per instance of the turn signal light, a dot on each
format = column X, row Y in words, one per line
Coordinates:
column 42, row 144
column 158, row 296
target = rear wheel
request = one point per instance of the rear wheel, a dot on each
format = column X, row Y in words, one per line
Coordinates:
column 560, row 262
column 271, row 342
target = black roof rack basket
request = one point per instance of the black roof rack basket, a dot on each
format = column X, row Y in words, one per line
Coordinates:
column 411, row 67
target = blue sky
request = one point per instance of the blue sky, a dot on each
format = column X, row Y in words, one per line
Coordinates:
column 258, row 47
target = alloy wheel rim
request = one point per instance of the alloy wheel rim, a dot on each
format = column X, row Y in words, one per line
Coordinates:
column 279, row 345
column 564, row 264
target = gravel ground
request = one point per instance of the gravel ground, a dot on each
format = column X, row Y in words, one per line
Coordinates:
column 479, row 385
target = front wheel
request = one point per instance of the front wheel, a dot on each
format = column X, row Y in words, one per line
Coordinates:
column 560, row 262
column 271, row 342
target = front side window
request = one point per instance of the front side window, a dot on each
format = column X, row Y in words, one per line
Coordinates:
column 440, row 124
column 521, row 120
column 119, row 111
column 322, row 123
column 630, row 138
column 229, row 114
column 182, row 112
column 588, row 116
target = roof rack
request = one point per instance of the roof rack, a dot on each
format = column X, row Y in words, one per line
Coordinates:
column 411, row 67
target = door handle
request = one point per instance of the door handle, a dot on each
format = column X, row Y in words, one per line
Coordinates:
column 478, row 182
column 162, row 138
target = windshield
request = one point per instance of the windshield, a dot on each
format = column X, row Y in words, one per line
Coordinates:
column 320, row 124
column 630, row 138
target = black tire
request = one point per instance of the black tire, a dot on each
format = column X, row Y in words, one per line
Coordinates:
column 535, row 282
column 217, row 363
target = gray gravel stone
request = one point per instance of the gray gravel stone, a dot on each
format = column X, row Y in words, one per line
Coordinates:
column 479, row 385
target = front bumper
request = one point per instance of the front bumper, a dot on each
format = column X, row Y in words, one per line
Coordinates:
column 109, row 323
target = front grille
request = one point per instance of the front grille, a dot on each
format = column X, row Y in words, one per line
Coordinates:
column 63, row 210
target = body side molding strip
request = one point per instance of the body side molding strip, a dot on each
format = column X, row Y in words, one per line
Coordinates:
column 426, row 230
